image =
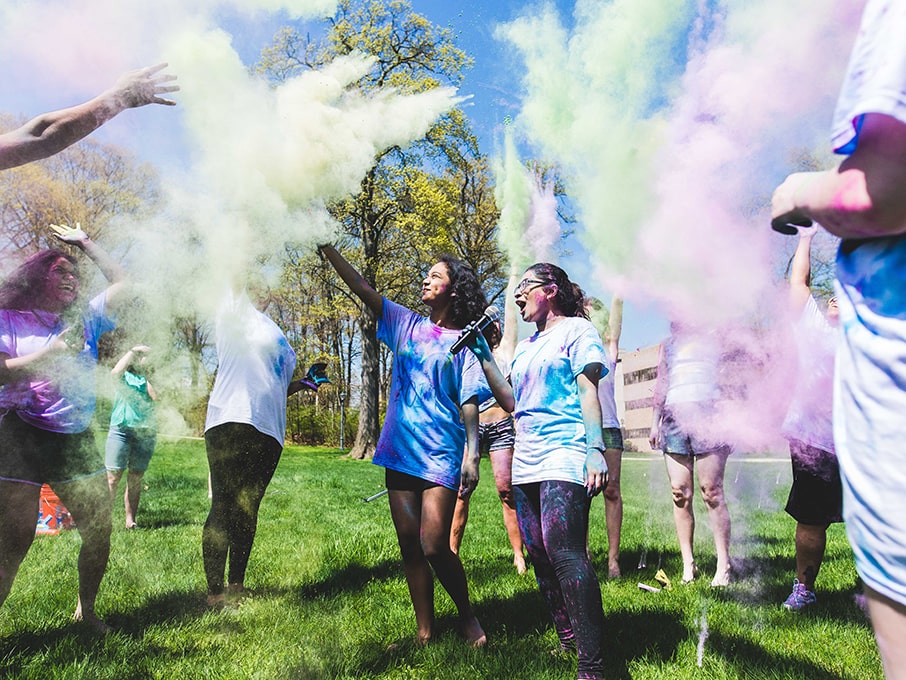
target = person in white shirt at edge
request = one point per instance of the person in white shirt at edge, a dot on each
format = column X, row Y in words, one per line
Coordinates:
column 558, row 461
column 610, row 422
column 496, row 436
column 863, row 202
column 682, row 426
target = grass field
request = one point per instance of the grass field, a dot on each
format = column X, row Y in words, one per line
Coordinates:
column 329, row 596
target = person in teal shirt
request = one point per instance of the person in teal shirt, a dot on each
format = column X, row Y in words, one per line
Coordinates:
column 133, row 428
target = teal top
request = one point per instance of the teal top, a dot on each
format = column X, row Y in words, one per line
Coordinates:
column 132, row 406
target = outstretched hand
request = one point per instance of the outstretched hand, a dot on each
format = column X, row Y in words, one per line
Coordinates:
column 143, row 86
column 69, row 234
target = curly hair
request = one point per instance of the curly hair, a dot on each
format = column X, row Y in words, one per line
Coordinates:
column 468, row 300
column 570, row 298
column 26, row 282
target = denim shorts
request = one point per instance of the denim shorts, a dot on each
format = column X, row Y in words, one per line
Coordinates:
column 129, row 448
column 501, row 434
column 681, row 427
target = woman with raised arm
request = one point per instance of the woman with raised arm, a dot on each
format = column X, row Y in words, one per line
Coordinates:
column 496, row 436
column 816, row 497
column 682, row 426
column 133, row 428
column 48, row 354
column 424, row 436
column 558, row 461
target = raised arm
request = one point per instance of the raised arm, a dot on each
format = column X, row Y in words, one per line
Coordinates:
column 507, row 347
column 864, row 196
column 52, row 132
column 126, row 360
column 800, row 268
column 615, row 327
column 357, row 284
column 109, row 267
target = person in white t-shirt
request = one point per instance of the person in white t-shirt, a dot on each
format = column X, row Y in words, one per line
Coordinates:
column 558, row 462
column 816, row 497
column 683, row 427
column 863, row 202
column 613, row 434
column 244, row 433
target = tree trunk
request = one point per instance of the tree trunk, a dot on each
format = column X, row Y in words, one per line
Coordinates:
column 369, row 413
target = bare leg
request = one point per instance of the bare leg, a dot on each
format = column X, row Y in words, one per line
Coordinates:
column 711, row 467
column 502, row 465
column 19, row 505
column 613, row 510
column 811, row 541
column 436, row 515
column 113, row 480
column 132, row 496
column 460, row 517
column 88, row 500
column 679, row 470
column 406, row 511
column 888, row 618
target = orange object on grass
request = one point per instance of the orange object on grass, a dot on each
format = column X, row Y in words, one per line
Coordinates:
column 52, row 514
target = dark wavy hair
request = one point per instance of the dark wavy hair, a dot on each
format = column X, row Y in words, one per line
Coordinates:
column 26, row 282
column 570, row 298
column 468, row 301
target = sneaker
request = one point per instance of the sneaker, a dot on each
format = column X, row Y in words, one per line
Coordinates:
column 800, row 598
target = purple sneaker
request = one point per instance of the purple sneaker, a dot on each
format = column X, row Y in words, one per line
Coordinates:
column 800, row 598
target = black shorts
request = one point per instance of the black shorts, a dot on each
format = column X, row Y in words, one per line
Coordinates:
column 31, row 455
column 816, row 497
column 400, row 481
column 613, row 438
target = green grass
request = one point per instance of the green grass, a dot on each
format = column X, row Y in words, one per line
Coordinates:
column 330, row 597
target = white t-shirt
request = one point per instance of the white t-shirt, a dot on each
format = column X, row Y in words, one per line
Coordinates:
column 809, row 417
column 870, row 387
column 693, row 362
column 607, row 394
column 550, row 432
column 255, row 365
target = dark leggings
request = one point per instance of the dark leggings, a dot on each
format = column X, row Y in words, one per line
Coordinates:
column 242, row 462
column 553, row 520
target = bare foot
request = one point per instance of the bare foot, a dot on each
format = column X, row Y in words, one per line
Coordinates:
column 690, row 573
column 519, row 563
column 613, row 570
column 721, row 578
column 217, row 601
column 90, row 620
column 131, row 525
column 236, row 593
column 473, row 632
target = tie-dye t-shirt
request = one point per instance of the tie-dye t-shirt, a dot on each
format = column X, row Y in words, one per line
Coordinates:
column 870, row 387
column 61, row 397
column 550, row 432
column 809, row 417
column 255, row 365
column 423, row 434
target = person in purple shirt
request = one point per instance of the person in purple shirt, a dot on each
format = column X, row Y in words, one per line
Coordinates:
column 48, row 355
column 432, row 416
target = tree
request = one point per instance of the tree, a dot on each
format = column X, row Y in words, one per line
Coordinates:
column 90, row 183
column 412, row 55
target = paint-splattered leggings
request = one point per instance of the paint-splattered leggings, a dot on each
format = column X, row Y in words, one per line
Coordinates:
column 242, row 462
column 553, row 520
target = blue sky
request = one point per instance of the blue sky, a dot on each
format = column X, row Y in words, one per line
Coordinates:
column 156, row 133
